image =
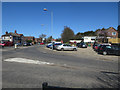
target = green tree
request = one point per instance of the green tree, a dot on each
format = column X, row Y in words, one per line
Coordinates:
column 58, row 39
column 67, row 34
column 78, row 36
column 49, row 39
column 29, row 41
column 96, row 32
column 89, row 33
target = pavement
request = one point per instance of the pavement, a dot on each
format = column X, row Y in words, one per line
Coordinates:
column 31, row 66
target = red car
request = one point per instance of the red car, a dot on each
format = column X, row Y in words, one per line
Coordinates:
column 6, row 43
column 2, row 44
column 41, row 43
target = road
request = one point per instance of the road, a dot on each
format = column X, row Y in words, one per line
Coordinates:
column 63, row 70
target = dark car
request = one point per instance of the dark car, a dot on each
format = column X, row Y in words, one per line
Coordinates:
column 19, row 44
column 27, row 44
column 97, row 48
column 94, row 45
column 109, row 49
column 81, row 45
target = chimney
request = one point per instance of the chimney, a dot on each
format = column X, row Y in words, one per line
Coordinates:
column 111, row 27
column 15, row 31
column 6, row 32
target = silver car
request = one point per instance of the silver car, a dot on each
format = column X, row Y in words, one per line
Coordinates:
column 66, row 47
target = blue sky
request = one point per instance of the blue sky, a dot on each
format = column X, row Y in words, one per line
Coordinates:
column 27, row 17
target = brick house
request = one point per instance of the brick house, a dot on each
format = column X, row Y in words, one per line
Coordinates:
column 21, row 36
column 32, row 38
column 104, row 35
column 13, row 37
column 38, row 40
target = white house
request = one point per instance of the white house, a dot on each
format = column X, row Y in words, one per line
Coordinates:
column 89, row 39
column 77, row 41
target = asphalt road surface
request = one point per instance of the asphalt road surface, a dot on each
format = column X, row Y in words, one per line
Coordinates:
column 31, row 66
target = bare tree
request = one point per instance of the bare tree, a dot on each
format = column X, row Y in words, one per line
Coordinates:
column 42, row 37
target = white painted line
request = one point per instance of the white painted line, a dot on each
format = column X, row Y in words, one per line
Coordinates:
column 28, row 61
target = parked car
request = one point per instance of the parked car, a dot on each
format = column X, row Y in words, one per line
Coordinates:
column 19, row 44
column 55, row 45
column 41, row 43
column 81, row 45
column 109, row 49
column 6, row 43
column 95, row 44
column 26, row 44
column 63, row 47
column 49, row 45
column 96, row 47
column 2, row 44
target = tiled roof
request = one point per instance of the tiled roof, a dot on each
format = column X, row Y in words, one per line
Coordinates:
column 28, row 36
column 12, row 34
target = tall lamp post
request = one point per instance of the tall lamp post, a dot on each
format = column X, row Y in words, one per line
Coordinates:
column 51, row 25
column 51, row 20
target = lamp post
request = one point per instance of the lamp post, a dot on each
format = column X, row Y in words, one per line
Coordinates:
column 42, row 29
column 51, row 25
column 51, row 20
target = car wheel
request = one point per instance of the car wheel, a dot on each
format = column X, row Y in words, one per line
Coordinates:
column 74, row 49
column 117, row 53
column 62, row 49
column 104, row 53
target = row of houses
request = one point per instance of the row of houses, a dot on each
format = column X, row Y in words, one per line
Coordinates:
column 109, row 35
column 18, row 38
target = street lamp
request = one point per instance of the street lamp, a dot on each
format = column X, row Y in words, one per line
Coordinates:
column 51, row 20
column 51, row 25
column 42, row 29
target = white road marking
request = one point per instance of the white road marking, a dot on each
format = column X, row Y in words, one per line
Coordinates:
column 28, row 61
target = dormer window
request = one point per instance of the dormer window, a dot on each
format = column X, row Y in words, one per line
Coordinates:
column 113, row 33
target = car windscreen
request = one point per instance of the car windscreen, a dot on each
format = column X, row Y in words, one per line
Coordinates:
column 108, row 47
column 68, row 45
column 116, row 47
column 58, row 44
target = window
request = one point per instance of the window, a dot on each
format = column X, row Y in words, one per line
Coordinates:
column 113, row 33
column 68, row 45
column 6, row 37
